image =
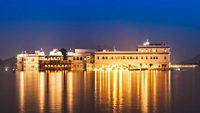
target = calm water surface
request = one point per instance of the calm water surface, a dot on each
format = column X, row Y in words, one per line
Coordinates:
column 100, row 92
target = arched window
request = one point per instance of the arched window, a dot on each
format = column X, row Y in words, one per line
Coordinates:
column 112, row 57
column 124, row 57
column 81, row 58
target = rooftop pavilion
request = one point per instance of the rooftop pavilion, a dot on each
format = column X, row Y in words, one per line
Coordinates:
column 147, row 44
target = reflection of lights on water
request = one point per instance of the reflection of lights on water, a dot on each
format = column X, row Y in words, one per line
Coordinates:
column 6, row 69
column 178, row 69
column 115, row 88
column 21, row 91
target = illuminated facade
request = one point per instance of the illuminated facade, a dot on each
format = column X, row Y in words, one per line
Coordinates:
column 27, row 61
column 80, row 59
column 147, row 56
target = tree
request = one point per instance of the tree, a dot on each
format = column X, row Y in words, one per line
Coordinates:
column 64, row 53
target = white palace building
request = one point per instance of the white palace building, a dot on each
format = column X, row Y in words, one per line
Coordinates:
column 147, row 56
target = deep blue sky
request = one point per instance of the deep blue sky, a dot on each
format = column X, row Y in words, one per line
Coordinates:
column 34, row 24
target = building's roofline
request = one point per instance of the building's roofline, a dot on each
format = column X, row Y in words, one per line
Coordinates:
column 132, row 53
column 141, row 46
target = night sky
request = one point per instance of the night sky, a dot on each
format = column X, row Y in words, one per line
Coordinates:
column 29, row 25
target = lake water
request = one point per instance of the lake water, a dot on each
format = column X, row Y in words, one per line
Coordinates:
column 100, row 92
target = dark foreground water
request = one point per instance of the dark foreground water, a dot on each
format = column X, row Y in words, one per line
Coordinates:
column 100, row 92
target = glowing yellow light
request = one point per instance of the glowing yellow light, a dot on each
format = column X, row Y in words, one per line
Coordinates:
column 146, row 43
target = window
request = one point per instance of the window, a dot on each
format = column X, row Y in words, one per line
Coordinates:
column 81, row 58
column 142, row 57
column 102, row 57
column 165, row 57
column 98, row 58
column 33, row 60
column 164, row 65
column 130, row 57
column 146, row 57
column 136, row 57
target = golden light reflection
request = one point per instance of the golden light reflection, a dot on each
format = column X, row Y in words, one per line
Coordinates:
column 55, row 91
column 21, row 91
column 41, row 92
column 117, row 91
column 27, row 85
column 143, row 89
column 70, row 92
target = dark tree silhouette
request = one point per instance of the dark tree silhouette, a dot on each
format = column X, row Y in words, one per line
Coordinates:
column 64, row 53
